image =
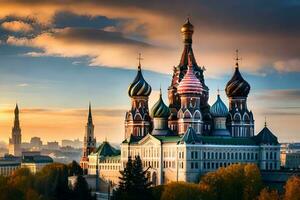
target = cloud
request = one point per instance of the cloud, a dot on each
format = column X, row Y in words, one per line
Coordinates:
column 292, row 65
column 17, row 26
column 266, row 35
column 23, row 84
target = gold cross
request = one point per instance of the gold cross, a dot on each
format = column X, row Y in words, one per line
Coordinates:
column 140, row 58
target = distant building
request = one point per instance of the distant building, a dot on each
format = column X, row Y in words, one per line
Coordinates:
column 16, row 137
column 290, row 155
column 29, row 159
column 72, row 143
column 8, row 164
column 35, row 162
column 36, row 143
column 52, row 145
column 89, row 142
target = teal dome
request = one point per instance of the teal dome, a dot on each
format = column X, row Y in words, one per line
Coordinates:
column 139, row 87
column 160, row 110
column 219, row 109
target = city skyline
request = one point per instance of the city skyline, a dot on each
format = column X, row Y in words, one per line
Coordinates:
column 54, row 64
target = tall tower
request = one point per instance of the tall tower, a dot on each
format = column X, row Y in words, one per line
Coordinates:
column 190, row 90
column 137, row 119
column 89, row 141
column 16, row 138
column 187, row 31
column 240, row 120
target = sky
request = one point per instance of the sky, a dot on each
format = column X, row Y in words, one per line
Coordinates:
column 56, row 56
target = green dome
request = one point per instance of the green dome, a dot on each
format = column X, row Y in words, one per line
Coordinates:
column 219, row 109
column 160, row 110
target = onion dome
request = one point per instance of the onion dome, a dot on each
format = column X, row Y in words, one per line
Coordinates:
column 139, row 87
column 237, row 86
column 219, row 109
column 187, row 31
column 187, row 27
column 190, row 84
column 160, row 110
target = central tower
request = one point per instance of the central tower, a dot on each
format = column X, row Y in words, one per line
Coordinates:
column 16, row 137
column 187, row 31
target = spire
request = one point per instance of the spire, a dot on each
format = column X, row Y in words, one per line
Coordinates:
column 139, row 59
column 265, row 121
column 237, row 58
column 16, row 122
column 90, row 118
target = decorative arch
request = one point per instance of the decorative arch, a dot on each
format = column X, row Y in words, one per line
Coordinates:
column 187, row 115
column 197, row 115
column 138, row 116
column 246, row 117
column 237, row 117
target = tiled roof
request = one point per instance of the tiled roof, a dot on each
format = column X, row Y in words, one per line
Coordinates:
column 105, row 149
column 265, row 136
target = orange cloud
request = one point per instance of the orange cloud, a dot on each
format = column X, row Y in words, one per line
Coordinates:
column 17, row 26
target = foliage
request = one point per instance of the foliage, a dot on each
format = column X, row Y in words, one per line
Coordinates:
column 238, row 181
column 266, row 194
column 133, row 182
column 292, row 189
column 51, row 183
column 81, row 189
column 74, row 169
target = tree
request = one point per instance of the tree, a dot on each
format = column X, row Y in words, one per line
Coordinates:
column 238, row 181
column 74, row 169
column 140, row 182
column 292, row 188
column 266, row 194
column 133, row 183
column 81, row 189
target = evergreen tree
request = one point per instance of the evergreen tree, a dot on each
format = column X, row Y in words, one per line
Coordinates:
column 74, row 169
column 140, row 182
column 126, row 179
column 81, row 189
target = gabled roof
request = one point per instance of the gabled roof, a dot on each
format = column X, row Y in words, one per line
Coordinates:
column 105, row 149
column 132, row 139
column 37, row 159
column 190, row 137
column 265, row 136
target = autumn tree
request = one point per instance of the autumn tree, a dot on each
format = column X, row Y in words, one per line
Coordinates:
column 292, row 188
column 74, row 169
column 267, row 194
column 238, row 181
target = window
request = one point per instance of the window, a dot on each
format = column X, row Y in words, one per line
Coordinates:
column 256, row 156
column 271, row 155
column 248, row 156
column 196, row 155
column 192, row 165
column 213, row 165
column 208, row 165
column 212, row 155
column 192, row 155
column 252, row 156
column 196, row 165
column 267, row 155
column 208, row 155
column 204, row 155
column 220, row 155
column 204, row 165
column 275, row 155
column 240, row 156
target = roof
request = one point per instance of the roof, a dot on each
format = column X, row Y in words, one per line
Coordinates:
column 265, row 136
column 219, row 140
column 105, row 149
column 37, row 159
column 190, row 137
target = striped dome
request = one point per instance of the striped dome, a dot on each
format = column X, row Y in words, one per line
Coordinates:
column 139, row 87
column 219, row 109
column 190, row 84
column 237, row 86
column 160, row 110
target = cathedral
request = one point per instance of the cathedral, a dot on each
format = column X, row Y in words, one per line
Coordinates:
column 187, row 138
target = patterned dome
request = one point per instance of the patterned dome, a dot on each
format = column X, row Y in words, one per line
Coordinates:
column 160, row 110
column 237, row 86
column 139, row 87
column 219, row 109
column 190, row 84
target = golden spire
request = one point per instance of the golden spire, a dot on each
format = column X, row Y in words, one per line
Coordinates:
column 187, row 31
